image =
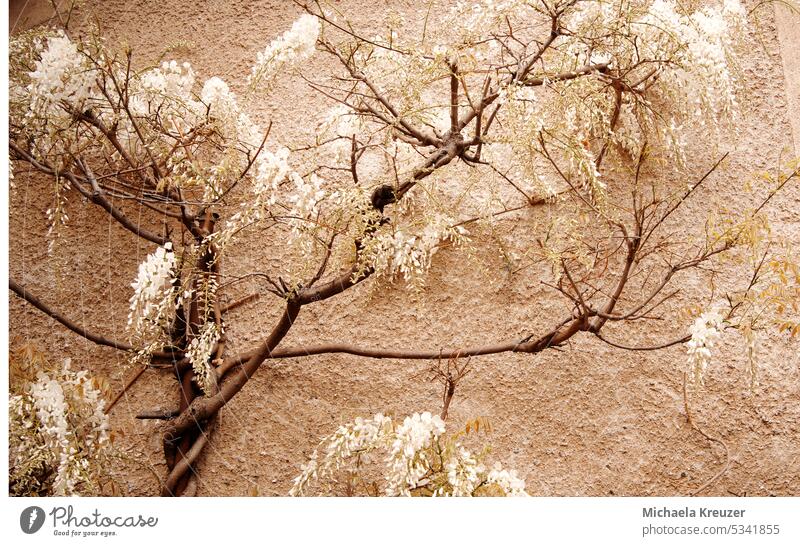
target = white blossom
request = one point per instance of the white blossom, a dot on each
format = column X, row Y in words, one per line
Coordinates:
column 357, row 438
column 294, row 46
column 463, row 473
column 338, row 126
column 705, row 331
column 703, row 44
column 153, row 300
column 51, row 410
column 409, row 254
column 199, row 354
column 224, row 109
column 166, row 91
column 221, row 102
column 508, row 481
column 340, row 121
column 271, row 170
column 171, row 79
column 62, row 74
column 58, row 422
column 306, row 198
column 419, row 456
column 407, row 463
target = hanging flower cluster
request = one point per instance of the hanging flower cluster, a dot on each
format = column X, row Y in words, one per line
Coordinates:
column 227, row 115
column 419, row 460
column 199, row 353
column 706, row 332
column 704, row 41
column 58, row 433
column 153, row 303
column 270, row 170
column 168, row 86
column 506, row 480
column 409, row 460
column 306, row 197
column 295, row 45
column 399, row 252
column 353, row 440
column 61, row 74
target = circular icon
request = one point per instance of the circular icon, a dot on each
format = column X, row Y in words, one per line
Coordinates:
column 31, row 519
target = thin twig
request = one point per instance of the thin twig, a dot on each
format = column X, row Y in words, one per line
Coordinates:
column 162, row 415
column 127, row 386
column 238, row 303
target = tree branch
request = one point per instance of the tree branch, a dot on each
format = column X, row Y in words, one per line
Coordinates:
column 23, row 293
column 96, row 196
column 203, row 408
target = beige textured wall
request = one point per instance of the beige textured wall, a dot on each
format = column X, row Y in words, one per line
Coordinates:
column 787, row 21
column 587, row 420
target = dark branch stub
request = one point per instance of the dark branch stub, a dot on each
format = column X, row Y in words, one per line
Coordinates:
column 382, row 196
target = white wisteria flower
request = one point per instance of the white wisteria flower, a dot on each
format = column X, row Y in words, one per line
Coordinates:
column 358, row 437
column 226, row 113
column 408, row 463
column 294, row 46
column 463, row 473
column 58, row 431
column 399, row 252
column 420, row 460
column 270, row 170
column 199, row 353
column 62, row 75
column 507, row 480
column 168, row 91
column 705, row 331
column 305, row 202
column 154, row 299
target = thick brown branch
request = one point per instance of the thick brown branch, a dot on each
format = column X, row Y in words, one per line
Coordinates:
column 23, row 293
column 204, row 408
column 554, row 338
column 184, row 465
column 96, row 195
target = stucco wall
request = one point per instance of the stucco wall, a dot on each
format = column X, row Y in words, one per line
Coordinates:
column 787, row 21
column 588, row 420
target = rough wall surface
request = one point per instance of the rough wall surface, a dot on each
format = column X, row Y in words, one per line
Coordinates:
column 588, row 420
column 786, row 21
